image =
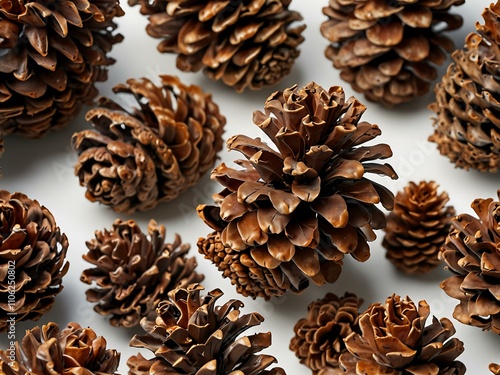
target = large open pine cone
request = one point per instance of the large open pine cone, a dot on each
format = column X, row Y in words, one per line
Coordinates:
column 466, row 125
column 389, row 50
column 191, row 335
column 251, row 43
column 32, row 258
column 133, row 271
column 49, row 350
column 395, row 340
column 52, row 52
column 133, row 160
column 417, row 227
column 296, row 211
column 472, row 254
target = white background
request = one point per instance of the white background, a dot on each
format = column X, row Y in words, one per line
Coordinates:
column 43, row 169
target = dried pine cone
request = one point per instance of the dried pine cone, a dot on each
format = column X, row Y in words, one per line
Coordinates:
column 417, row 227
column 466, row 125
column 50, row 350
column 319, row 338
column 193, row 336
column 134, row 271
column 52, row 52
column 245, row 44
column 395, row 340
column 32, row 259
column 133, row 160
column 472, row 254
column 389, row 50
column 295, row 212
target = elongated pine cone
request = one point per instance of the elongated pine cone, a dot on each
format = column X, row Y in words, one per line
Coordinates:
column 472, row 253
column 32, row 259
column 295, row 211
column 466, row 122
column 49, row 350
column 134, row 160
column 52, row 52
column 417, row 227
column 133, row 271
column 245, row 44
column 191, row 335
column 395, row 340
column 389, row 50
column 319, row 337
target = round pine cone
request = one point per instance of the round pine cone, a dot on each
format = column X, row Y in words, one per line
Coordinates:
column 134, row 160
column 319, row 338
column 245, row 44
column 134, row 271
column 395, row 340
column 298, row 210
column 417, row 227
column 389, row 50
column 472, row 254
column 466, row 122
column 49, row 350
column 32, row 258
column 52, row 52
column 193, row 336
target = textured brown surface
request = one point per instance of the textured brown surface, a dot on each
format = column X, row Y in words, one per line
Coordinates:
column 417, row 227
column 134, row 271
column 466, row 121
column 389, row 50
column 494, row 368
column 135, row 159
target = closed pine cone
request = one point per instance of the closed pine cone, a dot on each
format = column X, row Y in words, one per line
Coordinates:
column 389, row 50
column 32, row 254
column 51, row 55
column 466, row 122
column 134, row 160
column 191, row 335
column 245, row 44
column 394, row 339
column 134, row 271
column 298, row 210
column 417, row 227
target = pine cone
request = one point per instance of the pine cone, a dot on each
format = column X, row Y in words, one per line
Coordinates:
column 193, row 336
column 417, row 227
column 466, row 125
column 246, row 44
column 52, row 52
column 389, row 50
column 472, row 254
column 395, row 340
column 134, row 160
column 319, row 338
column 298, row 210
column 32, row 259
column 494, row 368
column 49, row 350
column 134, row 271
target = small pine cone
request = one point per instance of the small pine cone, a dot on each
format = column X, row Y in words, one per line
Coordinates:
column 32, row 259
column 417, row 227
column 389, row 50
column 298, row 210
column 395, row 340
column 494, row 368
column 133, row 160
column 319, row 338
column 472, row 253
column 466, row 125
column 134, row 271
column 193, row 336
column 52, row 52
column 50, row 350
column 245, row 44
